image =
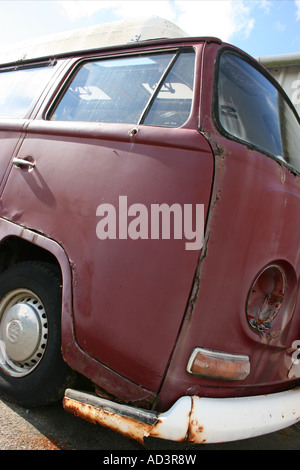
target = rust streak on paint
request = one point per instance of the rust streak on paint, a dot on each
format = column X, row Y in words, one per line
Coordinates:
column 196, row 429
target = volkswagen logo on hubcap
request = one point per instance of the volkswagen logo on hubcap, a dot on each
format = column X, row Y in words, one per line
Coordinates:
column 14, row 330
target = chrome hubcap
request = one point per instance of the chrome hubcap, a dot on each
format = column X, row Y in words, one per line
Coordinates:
column 23, row 332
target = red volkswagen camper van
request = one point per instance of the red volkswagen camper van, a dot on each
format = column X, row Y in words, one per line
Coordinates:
column 150, row 233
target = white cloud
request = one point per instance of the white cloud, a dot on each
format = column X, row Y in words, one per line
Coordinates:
column 297, row 3
column 134, row 8
column 279, row 26
column 75, row 9
column 215, row 18
column 265, row 5
column 197, row 17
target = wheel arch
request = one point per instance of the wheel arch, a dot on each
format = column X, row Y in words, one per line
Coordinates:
column 19, row 244
column 12, row 234
column 14, row 249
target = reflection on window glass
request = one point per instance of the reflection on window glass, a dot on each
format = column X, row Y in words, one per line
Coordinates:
column 248, row 104
column 119, row 91
column 253, row 110
column 20, row 88
column 172, row 104
column 290, row 134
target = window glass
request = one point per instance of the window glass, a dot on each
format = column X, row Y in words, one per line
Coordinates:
column 19, row 89
column 121, row 90
column 252, row 109
column 172, row 104
column 248, row 104
column 290, row 134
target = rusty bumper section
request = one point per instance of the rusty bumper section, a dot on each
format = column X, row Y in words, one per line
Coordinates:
column 133, row 422
column 192, row 419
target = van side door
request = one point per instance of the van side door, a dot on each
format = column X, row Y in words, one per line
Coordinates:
column 116, row 141
column 20, row 89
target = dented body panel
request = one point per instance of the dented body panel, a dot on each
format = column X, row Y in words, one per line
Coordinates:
column 182, row 339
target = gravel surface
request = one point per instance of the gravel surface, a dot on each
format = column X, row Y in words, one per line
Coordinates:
column 17, row 433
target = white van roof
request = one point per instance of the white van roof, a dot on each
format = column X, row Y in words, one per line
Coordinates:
column 92, row 37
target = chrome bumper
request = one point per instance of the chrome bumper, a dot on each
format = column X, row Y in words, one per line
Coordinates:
column 192, row 419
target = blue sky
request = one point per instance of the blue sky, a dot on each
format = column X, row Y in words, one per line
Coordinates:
column 260, row 27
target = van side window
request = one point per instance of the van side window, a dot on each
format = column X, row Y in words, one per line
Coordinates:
column 252, row 109
column 172, row 104
column 123, row 90
column 290, row 135
column 20, row 88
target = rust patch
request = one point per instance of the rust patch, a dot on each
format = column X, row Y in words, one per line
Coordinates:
column 281, row 172
column 195, row 430
column 126, row 426
column 217, row 197
column 135, row 426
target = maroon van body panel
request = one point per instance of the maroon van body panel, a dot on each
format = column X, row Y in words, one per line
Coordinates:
column 253, row 221
column 134, row 310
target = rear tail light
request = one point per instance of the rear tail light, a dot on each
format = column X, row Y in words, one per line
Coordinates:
column 218, row 365
column 265, row 298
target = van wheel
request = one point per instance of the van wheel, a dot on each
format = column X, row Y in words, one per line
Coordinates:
column 32, row 370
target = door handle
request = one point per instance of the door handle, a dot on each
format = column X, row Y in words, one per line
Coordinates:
column 23, row 162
